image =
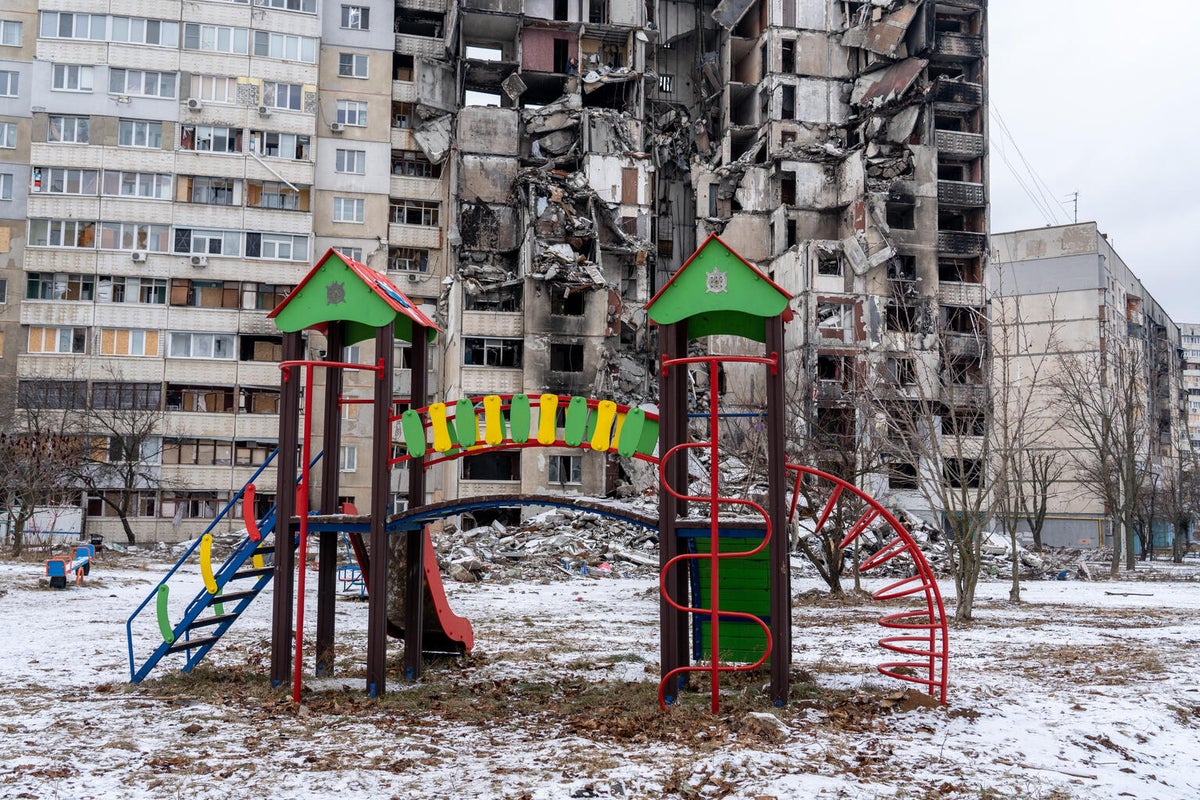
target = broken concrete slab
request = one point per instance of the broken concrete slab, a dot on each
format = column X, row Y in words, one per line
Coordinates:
column 433, row 137
column 487, row 178
column 489, row 130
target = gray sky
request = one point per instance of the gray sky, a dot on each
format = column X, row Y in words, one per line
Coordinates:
column 1102, row 98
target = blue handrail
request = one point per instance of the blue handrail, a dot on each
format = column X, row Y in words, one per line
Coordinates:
column 154, row 592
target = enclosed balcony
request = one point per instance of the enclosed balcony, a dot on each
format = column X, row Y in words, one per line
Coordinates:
column 961, row 243
column 958, row 46
column 958, row 145
column 957, row 96
column 961, row 193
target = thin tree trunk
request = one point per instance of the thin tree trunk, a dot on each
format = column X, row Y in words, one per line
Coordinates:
column 1014, row 592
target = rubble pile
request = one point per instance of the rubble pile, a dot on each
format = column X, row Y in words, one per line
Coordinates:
column 551, row 546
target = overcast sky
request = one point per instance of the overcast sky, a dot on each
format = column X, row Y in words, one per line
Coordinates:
column 1102, row 98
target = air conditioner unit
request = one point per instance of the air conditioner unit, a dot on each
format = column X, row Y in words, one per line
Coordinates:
column 337, row 127
column 138, row 256
column 194, row 104
column 264, row 110
column 413, row 277
column 199, row 261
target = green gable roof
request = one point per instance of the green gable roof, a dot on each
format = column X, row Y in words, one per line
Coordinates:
column 340, row 289
column 719, row 292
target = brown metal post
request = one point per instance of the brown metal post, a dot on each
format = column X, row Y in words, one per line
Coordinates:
column 381, row 448
column 285, row 507
column 414, row 579
column 780, row 570
column 327, row 552
column 672, row 393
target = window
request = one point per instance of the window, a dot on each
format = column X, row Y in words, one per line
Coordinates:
column 267, row 295
column 353, row 253
column 62, row 233
column 356, row 18
column 307, row 6
column 481, row 352
column 352, row 65
column 139, row 133
column 207, row 190
column 193, row 505
column 277, row 245
column 347, row 209
column 128, row 289
column 3, row 293
column 902, row 475
column 134, row 236
column 201, row 345
column 353, row 162
column 60, row 180
column 347, row 458
column 8, row 134
column 64, row 25
column 352, row 112
column 504, row 299
column 496, row 466
column 964, row 472
column 52, row 394
column 666, row 84
column 279, row 145
column 71, row 78
column 566, row 469
column 126, row 342
column 964, row 422
column 835, row 321
column 902, row 371
column 214, row 88
column 288, row 96
column 67, row 129
column 154, row 185
column 9, row 83
column 141, row 82
column 58, row 286
column 259, row 401
column 566, row 357
column 285, row 46
column 901, row 216
column 133, row 30
column 402, row 115
column 273, row 194
column 11, row 33
column 215, row 38
column 66, row 341
column 408, row 259
column 205, row 294
column 6, row 186
column 567, row 304
column 210, row 139
column 414, row 165
column 414, row 212
column 207, row 242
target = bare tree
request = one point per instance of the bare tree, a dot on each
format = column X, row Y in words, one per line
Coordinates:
column 1040, row 471
column 1181, row 501
column 1102, row 405
column 36, row 454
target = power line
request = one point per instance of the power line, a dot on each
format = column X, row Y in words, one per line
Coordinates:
column 1045, row 202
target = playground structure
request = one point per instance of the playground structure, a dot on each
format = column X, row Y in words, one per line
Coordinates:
column 78, row 564
column 724, row 578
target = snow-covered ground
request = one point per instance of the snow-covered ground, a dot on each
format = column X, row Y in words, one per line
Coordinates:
column 1088, row 690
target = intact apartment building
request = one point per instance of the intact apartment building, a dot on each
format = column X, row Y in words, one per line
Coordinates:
column 1190, row 333
column 1077, row 295
column 529, row 171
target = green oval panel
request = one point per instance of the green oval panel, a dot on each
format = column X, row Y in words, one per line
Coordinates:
column 518, row 418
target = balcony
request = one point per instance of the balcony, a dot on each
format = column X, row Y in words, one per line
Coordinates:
column 415, row 236
column 958, row 46
column 964, row 345
column 959, row 146
column 962, row 194
column 493, row 323
column 957, row 96
column 961, row 243
column 960, row 294
column 965, row 394
column 493, row 6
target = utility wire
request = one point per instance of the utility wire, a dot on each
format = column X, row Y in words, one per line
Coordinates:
column 1049, row 206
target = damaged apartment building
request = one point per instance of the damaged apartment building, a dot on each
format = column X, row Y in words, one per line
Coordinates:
column 590, row 145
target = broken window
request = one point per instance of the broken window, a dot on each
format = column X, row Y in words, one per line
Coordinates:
column 255, row 400
column 260, row 348
column 207, row 399
column 828, row 263
column 419, row 23
column 902, row 268
column 402, row 115
column 488, row 352
column 902, row 371
column 567, row 304
column 402, row 67
column 666, row 84
column 495, row 466
column 789, row 102
column 597, row 12
column 408, row 259
column 964, row 371
column 952, row 172
column 790, row 231
column 901, row 317
column 832, row 368
column 959, row 271
column 962, row 319
column 566, row 469
column 787, row 55
column 964, row 423
column 566, row 358
column 835, row 320
column 561, row 55
column 413, row 164
column 835, row 427
column 205, row 294
column 504, row 299
column 901, row 216
column 902, row 474
column 414, row 212
column 560, row 10
column 964, row 473
column 787, row 188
